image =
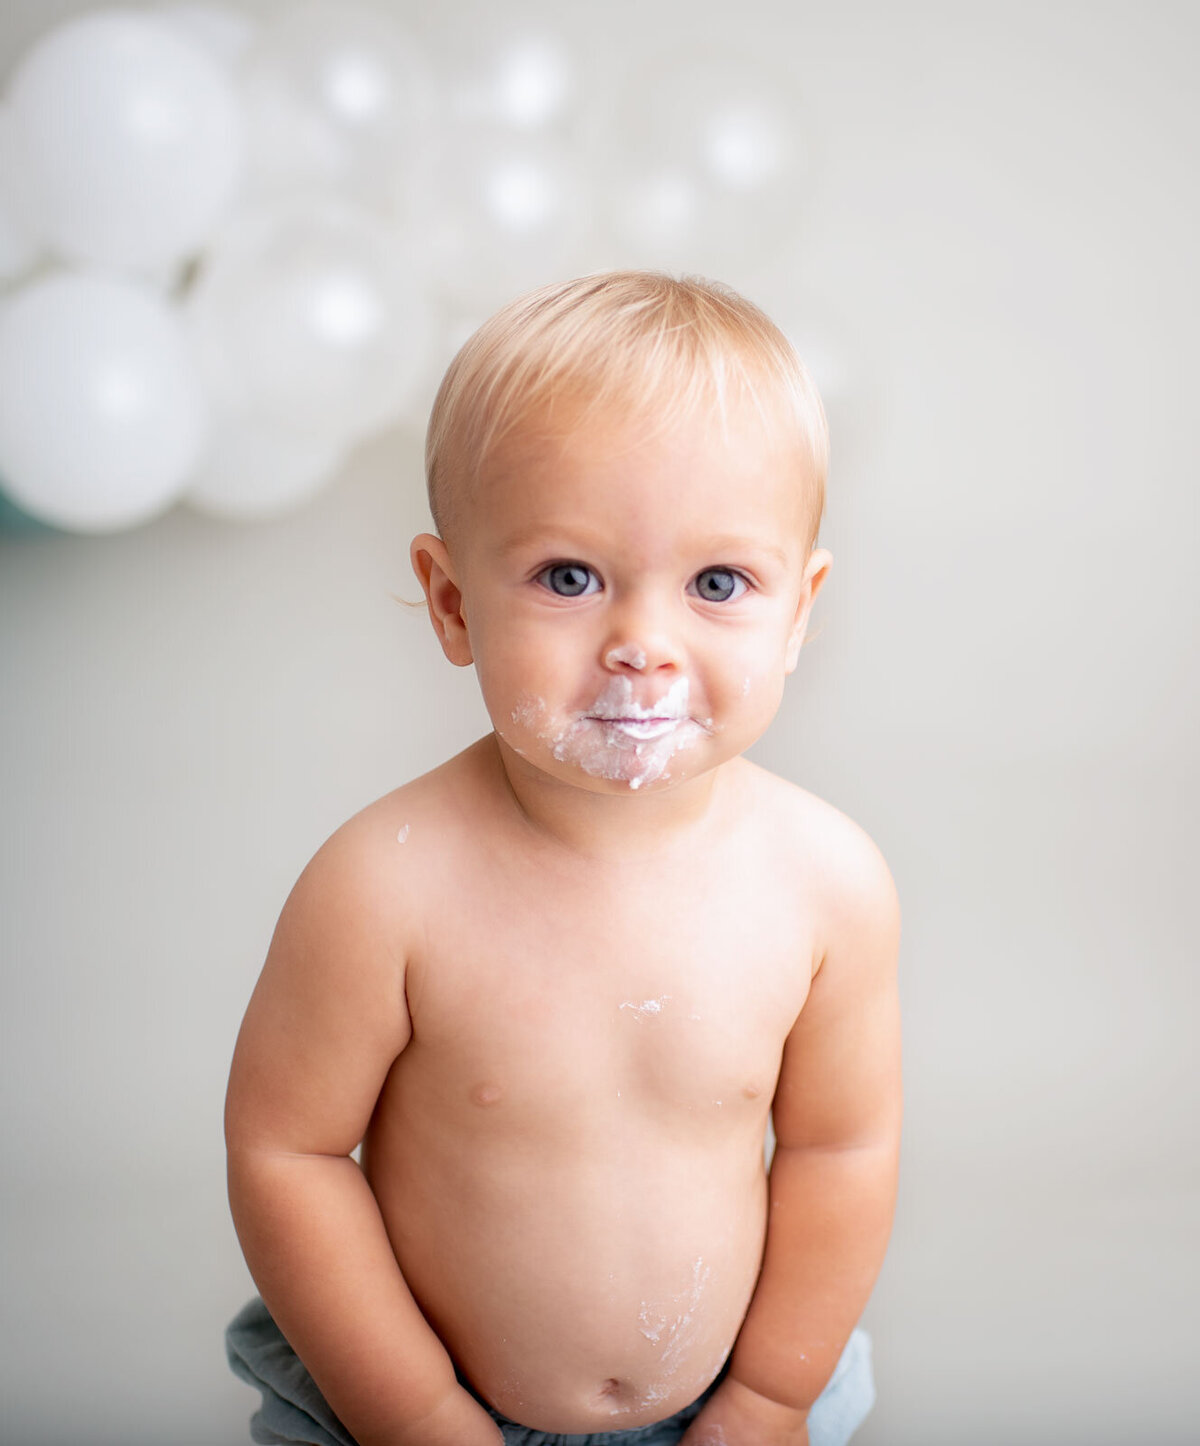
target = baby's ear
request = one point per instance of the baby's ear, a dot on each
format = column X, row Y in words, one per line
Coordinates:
column 431, row 562
column 815, row 573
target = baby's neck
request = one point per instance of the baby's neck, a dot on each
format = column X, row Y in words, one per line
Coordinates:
column 607, row 827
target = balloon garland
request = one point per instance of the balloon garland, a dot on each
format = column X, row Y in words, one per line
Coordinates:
column 230, row 251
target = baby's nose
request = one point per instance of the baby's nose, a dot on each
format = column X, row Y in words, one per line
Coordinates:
column 640, row 640
column 626, row 655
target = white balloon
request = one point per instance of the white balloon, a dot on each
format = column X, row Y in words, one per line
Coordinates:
column 254, row 470
column 514, row 72
column 336, row 95
column 309, row 316
column 102, row 419
column 19, row 247
column 132, row 138
column 708, row 165
column 224, row 32
column 504, row 213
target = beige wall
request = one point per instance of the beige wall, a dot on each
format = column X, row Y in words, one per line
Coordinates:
column 1003, row 229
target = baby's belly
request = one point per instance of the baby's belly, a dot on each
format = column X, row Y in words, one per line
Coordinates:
column 593, row 1288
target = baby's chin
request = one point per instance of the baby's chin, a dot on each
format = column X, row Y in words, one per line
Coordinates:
column 603, row 757
column 637, row 785
column 629, row 754
column 631, row 760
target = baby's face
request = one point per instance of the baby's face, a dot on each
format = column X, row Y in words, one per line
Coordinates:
column 633, row 606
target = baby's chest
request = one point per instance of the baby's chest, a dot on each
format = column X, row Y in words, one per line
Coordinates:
column 683, row 1009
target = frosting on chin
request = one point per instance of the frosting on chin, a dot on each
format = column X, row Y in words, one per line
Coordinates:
column 616, row 738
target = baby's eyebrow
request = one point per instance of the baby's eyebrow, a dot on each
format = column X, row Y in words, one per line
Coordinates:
column 715, row 550
column 730, row 549
column 536, row 532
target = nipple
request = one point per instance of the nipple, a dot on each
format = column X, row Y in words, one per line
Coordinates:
column 486, row 1094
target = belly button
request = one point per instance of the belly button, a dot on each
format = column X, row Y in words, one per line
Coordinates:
column 486, row 1094
column 751, row 1091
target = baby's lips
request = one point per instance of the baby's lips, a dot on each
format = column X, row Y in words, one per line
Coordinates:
column 618, row 700
column 641, row 729
column 660, row 721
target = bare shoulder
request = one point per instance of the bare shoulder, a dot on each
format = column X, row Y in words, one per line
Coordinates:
column 330, row 1012
column 840, row 1084
column 363, row 903
column 844, row 875
column 384, row 856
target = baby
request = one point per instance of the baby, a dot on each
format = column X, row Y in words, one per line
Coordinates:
column 557, row 987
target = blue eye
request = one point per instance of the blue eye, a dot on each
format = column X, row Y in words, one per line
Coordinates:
column 718, row 584
column 569, row 579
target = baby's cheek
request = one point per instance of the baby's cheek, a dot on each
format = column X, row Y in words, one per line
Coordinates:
column 523, row 723
column 760, row 673
column 504, row 677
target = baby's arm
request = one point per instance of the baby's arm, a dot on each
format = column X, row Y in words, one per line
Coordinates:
column 837, row 1116
column 325, row 1024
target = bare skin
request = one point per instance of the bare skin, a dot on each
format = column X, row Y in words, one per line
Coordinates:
column 557, row 1005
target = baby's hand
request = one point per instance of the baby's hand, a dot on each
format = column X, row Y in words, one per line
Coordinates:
column 737, row 1416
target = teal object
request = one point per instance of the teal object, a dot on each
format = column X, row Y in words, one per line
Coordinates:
column 15, row 519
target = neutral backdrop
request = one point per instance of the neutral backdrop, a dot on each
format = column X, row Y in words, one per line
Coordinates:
column 1000, row 245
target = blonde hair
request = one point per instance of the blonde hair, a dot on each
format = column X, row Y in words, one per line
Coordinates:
column 653, row 346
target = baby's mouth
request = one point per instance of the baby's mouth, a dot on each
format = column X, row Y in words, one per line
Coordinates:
column 642, row 730
column 625, row 723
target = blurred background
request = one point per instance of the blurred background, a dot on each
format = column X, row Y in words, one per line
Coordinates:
column 238, row 243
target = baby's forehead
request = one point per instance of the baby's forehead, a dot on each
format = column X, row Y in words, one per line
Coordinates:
column 626, row 424
column 683, row 476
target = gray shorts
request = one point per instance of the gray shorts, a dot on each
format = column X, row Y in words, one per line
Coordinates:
column 294, row 1411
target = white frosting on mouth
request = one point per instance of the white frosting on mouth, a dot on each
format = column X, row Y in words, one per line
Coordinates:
column 615, row 703
column 642, row 730
column 617, row 737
